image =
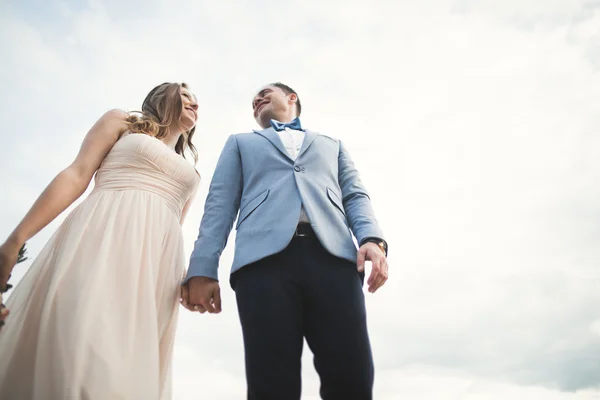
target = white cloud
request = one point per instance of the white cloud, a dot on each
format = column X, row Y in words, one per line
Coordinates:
column 473, row 124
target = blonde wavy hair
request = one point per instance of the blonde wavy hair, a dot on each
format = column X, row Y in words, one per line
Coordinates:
column 160, row 109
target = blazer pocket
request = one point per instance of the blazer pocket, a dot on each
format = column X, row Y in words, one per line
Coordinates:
column 335, row 200
column 251, row 206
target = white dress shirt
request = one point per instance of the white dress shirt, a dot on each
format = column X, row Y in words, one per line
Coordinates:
column 292, row 141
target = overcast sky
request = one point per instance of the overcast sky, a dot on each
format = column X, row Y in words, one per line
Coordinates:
column 474, row 124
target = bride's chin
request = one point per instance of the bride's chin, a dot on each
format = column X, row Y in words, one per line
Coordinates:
column 187, row 125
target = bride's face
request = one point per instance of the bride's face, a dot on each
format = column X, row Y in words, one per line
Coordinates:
column 189, row 112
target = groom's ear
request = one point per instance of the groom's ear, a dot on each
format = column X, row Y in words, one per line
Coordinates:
column 293, row 97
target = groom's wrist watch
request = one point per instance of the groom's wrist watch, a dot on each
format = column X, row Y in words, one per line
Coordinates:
column 379, row 242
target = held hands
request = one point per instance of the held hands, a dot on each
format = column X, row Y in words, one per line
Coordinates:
column 379, row 271
column 201, row 294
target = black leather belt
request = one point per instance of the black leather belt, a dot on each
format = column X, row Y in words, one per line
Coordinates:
column 304, row 230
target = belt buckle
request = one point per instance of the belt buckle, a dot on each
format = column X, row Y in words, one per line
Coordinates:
column 300, row 234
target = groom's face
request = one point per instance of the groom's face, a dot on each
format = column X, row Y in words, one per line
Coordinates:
column 272, row 103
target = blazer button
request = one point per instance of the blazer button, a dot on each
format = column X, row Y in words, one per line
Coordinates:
column 297, row 168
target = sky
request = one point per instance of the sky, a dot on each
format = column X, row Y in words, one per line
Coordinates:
column 474, row 125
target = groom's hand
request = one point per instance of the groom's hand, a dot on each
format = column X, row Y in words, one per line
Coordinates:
column 203, row 294
column 379, row 271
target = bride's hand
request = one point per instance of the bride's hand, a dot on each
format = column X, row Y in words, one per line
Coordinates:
column 9, row 254
column 3, row 315
column 8, row 258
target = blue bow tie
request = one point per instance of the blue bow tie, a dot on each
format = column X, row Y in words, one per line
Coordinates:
column 279, row 126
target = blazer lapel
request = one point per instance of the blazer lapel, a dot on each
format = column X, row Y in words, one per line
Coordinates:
column 272, row 136
column 309, row 137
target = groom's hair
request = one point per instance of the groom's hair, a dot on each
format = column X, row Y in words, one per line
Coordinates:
column 288, row 90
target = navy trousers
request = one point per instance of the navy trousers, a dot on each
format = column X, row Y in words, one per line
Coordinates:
column 304, row 292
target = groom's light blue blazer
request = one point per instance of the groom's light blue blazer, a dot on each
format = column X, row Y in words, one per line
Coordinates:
column 256, row 177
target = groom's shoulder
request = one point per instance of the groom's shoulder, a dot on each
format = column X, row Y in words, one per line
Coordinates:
column 245, row 136
column 325, row 136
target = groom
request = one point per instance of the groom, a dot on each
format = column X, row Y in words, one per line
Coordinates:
column 296, row 271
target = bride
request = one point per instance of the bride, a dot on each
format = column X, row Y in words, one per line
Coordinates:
column 94, row 316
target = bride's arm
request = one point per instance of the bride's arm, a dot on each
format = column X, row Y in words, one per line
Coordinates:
column 71, row 182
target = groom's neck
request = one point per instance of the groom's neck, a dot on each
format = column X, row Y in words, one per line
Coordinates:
column 283, row 117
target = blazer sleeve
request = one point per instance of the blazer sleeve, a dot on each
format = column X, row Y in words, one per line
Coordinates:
column 220, row 211
column 356, row 201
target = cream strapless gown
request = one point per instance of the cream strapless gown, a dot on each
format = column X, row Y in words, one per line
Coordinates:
column 94, row 317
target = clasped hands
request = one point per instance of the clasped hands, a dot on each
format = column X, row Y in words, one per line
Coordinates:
column 201, row 294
